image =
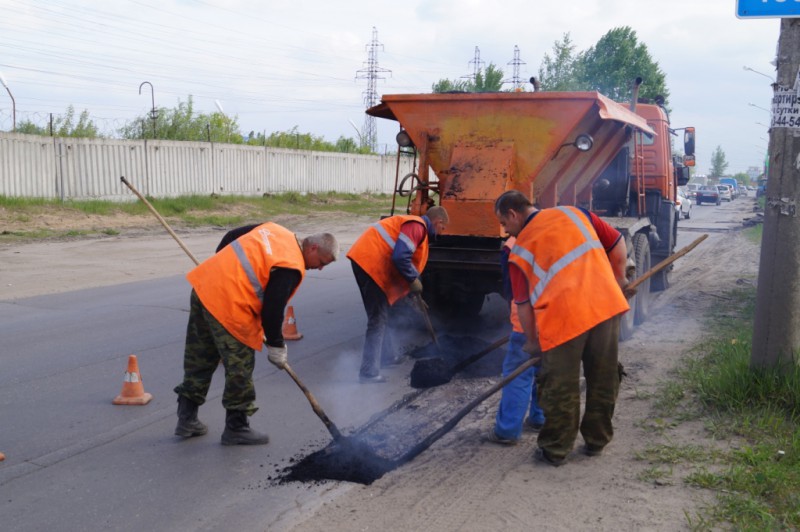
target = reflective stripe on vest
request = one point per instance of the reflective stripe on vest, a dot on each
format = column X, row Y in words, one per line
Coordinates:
column 373, row 250
column 391, row 242
column 570, row 279
column 545, row 276
column 230, row 283
column 248, row 269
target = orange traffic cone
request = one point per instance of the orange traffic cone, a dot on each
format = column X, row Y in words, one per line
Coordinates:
column 2, row 457
column 132, row 389
column 290, row 325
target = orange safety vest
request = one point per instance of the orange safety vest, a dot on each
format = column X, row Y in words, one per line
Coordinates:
column 373, row 252
column 231, row 283
column 572, row 287
column 516, row 325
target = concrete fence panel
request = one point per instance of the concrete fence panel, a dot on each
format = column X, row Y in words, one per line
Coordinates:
column 74, row 168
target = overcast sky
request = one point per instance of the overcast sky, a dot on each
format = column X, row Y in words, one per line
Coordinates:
column 276, row 64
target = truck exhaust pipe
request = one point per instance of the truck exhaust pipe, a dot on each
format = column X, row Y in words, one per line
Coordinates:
column 635, row 93
column 536, row 85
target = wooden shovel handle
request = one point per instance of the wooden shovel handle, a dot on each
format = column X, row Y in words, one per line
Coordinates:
column 664, row 263
column 483, row 352
column 160, row 219
column 444, row 429
column 314, row 404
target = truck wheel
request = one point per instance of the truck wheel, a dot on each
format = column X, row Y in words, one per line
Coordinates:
column 641, row 249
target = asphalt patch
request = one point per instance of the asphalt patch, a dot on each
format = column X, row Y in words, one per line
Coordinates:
column 347, row 459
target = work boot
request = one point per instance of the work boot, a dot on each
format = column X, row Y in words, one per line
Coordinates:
column 188, row 424
column 238, row 432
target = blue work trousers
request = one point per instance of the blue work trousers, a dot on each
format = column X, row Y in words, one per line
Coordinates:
column 518, row 394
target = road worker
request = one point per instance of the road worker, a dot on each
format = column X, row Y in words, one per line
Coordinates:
column 388, row 260
column 568, row 279
column 237, row 303
column 520, row 395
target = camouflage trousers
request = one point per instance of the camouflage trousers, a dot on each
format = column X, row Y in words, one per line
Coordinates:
column 208, row 343
column 559, row 390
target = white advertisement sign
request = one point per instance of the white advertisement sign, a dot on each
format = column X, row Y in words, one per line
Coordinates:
column 786, row 108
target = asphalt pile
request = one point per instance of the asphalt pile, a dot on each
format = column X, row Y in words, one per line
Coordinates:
column 399, row 435
column 347, row 459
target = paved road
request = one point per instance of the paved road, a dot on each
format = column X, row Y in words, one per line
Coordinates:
column 75, row 461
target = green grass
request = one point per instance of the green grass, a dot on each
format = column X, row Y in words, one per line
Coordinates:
column 187, row 211
column 756, row 413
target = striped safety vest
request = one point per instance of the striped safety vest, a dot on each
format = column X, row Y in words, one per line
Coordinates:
column 571, row 283
column 231, row 283
column 373, row 252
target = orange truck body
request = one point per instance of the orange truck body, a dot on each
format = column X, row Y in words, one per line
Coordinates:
column 472, row 147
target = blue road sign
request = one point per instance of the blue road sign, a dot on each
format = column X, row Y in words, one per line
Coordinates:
column 767, row 8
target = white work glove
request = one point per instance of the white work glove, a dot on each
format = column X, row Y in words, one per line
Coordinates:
column 278, row 356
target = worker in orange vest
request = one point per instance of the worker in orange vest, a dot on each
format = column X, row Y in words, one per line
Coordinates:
column 387, row 262
column 569, row 286
column 237, row 303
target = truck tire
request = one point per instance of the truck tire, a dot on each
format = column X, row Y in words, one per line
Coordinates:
column 641, row 250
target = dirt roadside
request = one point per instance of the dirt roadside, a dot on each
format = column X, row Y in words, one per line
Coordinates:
column 464, row 482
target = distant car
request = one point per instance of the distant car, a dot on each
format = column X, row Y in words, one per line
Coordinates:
column 708, row 194
column 743, row 191
column 683, row 205
column 725, row 192
column 691, row 190
column 732, row 184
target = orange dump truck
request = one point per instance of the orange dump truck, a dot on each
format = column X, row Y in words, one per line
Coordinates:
column 558, row 148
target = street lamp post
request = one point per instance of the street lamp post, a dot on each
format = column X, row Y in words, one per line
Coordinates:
column 760, row 73
column 759, row 107
column 153, row 112
column 13, row 104
column 358, row 132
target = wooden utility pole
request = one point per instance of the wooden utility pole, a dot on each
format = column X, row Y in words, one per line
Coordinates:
column 776, row 333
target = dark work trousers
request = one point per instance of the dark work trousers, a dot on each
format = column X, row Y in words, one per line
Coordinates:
column 378, row 340
column 208, row 343
column 560, row 395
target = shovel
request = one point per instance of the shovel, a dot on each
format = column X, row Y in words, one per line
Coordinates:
column 444, row 429
column 337, row 435
column 430, row 372
column 423, row 309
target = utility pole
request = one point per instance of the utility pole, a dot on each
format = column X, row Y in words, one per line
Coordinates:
column 477, row 66
column 776, row 335
column 516, row 80
column 372, row 73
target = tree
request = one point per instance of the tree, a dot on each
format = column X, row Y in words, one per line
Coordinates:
column 610, row 66
column 558, row 73
column 742, row 177
column 182, row 123
column 450, row 85
column 490, row 80
column 296, row 140
column 718, row 163
column 64, row 126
